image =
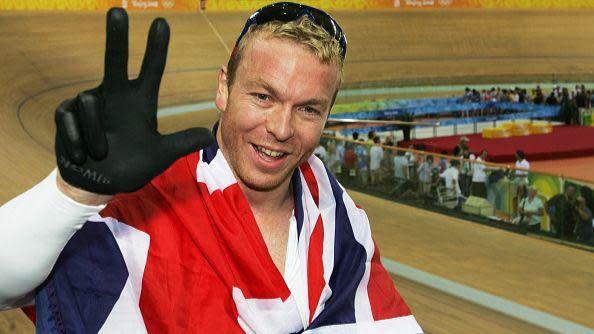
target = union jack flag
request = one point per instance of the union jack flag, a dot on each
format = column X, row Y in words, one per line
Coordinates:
column 185, row 255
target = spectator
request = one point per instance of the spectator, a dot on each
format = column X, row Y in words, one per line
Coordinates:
column 371, row 137
column 412, row 162
column 467, row 95
column 479, row 177
column 466, row 171
column 376, row 153
column 462, row 145
column 350, row 160
column 362, row 169
column 552, row 99
column 340, row 150
column 442, row 164
column 538, row 96
column 562, row 213
column 584, row 225
column 451, row 176
column 389, row 141
column 425, row 172
column 581, row 99
column 530, row 211
column 387, row 164
column 524, row 96
column 333, row 157
column 320, row 152
column 521, row 175
column 401, row 166
column 569, row 109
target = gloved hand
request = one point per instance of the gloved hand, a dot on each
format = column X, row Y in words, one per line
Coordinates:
column 107, row 140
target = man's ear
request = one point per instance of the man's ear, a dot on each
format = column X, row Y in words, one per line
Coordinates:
column 222, row 90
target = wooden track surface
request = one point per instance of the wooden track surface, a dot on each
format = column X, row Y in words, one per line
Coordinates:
column 47, row 57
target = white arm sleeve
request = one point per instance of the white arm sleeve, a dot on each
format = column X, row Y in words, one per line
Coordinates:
column 34, row 228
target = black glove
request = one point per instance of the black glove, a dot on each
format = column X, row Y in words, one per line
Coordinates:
column 107, row 140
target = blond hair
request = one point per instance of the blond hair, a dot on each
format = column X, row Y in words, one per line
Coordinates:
column 303, row 31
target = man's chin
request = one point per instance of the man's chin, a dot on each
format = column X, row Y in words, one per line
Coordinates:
column 263, row 183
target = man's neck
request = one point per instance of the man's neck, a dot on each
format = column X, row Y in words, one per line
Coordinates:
column 276, row 200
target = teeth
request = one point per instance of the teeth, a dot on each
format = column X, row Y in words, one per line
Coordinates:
column 268, row 152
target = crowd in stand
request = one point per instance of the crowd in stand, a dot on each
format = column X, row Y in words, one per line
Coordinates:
column 570, row 100
column 453, row 179
column 557, row 96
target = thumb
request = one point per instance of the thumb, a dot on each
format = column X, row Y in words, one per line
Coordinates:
column 176, row 145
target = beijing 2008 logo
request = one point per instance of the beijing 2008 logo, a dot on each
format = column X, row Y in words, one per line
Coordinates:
column 168, row 3
column 446, row 3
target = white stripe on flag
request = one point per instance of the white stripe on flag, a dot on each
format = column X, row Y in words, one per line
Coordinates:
column 217, row 175
column 328, row 211
column 125, row 317
column 362, row 233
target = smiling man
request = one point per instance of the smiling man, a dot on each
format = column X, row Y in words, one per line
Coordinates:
column 248, row 234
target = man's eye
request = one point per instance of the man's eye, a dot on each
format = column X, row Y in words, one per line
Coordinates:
column 262, row 97
column 310, row 110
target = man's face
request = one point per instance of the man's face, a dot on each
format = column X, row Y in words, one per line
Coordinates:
column 273, row 115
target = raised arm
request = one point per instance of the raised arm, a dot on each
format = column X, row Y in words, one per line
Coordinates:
column 106, row 143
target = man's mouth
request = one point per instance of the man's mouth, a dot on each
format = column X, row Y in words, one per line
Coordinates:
column 268, row 152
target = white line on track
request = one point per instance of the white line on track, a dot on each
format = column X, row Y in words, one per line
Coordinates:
column 487, row 300
column 216, row 32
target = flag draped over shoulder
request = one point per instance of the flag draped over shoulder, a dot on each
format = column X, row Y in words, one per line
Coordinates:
column 185, row 255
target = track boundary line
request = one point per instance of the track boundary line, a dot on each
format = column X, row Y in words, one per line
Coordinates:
column 216, row 32
column 487, row 300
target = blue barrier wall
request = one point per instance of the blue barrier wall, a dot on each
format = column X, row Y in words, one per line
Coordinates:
column 392, row 109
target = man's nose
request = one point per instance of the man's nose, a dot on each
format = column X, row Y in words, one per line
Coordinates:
column 279, row 123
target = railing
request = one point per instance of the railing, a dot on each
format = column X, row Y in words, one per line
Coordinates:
column 502, row 198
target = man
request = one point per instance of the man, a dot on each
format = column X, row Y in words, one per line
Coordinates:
column 249, row 234
column 466, row 172
column 479, row 176
column 451, row 178
column 401, row 171
column 562, row 212
column 376, row 154
column 362, row 162
column 521, row 177
column 350, row 161
column 462, row 145
column 425, row 172
column 583, row 229
column 320, row 152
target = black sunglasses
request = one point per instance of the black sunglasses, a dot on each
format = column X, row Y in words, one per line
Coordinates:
column 289, row 11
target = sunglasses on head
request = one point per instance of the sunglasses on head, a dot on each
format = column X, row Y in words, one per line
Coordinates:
column 289, row 11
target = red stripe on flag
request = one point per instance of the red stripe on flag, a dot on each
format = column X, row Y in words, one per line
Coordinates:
column 311, row 181
column 315, row 267
column 385, row 301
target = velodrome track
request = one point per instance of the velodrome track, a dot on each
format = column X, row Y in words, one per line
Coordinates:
column 49, row 56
